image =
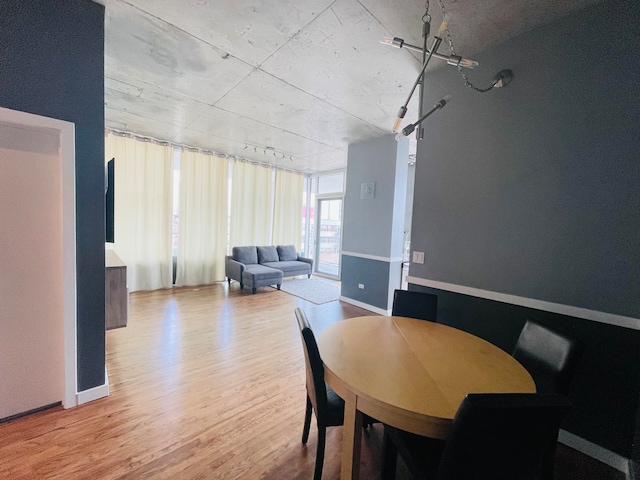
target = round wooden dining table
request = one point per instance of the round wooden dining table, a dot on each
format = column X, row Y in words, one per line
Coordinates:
column 411, row 374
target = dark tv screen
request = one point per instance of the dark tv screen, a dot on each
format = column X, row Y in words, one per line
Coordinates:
column 108, row 201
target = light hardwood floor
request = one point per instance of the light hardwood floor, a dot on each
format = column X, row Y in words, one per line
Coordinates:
column 206, row 383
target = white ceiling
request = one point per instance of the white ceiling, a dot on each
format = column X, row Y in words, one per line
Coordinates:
column 301, row 78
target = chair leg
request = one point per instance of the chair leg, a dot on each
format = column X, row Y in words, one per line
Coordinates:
column 307, row 421
column 279, row 286
column 389, row 458
column 253, row 290
column 322, row 433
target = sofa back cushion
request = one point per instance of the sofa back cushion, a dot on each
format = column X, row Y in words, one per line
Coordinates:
column 267, row 254
column 286, row 253
column 246, row 255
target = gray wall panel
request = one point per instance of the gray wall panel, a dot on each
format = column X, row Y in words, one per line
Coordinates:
column 373, row 274
column 368, row 223
column 532, row 190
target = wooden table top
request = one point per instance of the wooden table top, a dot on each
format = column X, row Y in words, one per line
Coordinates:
column 414, row 374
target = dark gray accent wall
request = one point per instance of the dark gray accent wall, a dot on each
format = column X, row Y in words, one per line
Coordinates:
column 52, row 64
column 635, row 454
column 533, row 189
column 373, row 274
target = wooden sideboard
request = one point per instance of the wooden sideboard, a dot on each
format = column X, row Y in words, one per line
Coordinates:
column 116, row 291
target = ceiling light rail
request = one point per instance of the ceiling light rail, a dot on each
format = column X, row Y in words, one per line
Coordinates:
column 268, row 151
column 139, row 138
column 268, row 165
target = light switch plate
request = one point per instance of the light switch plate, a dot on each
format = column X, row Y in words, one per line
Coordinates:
column 367, row 190
column 418, row 257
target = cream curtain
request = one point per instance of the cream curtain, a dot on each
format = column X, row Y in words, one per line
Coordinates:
column 287, row 212
column 203, row 210
column 142, row 210
column 251, row 200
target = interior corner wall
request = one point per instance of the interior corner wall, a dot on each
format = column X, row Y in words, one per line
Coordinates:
column 52, row 64
column 373, row 228
column 531, row 192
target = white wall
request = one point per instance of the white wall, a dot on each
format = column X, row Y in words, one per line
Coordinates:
column 31, row 284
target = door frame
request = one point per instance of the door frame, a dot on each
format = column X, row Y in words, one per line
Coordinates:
column 320, row 198
column 66, row 133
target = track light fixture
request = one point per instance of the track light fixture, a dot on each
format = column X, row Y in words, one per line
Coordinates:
column 269, row 151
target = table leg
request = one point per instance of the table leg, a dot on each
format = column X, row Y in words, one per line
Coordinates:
column 351, row 439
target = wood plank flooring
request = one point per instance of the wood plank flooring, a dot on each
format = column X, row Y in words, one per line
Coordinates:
column 205, row 383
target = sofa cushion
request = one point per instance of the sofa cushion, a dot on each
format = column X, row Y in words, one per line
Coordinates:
column 246, row 255
column 257, row 273
column 287, row 253
column 291, row 268
column 267, row 254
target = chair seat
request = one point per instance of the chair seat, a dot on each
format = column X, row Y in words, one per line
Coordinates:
column 335, row 408
column 420, row 454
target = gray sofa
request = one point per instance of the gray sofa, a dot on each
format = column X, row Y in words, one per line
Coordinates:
column 260, row 266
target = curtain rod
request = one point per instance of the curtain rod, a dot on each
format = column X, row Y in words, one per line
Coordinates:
column 143, row 138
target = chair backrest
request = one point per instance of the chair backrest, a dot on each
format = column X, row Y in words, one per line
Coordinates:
column 550, row 357
column 316, row 388
column 506, row 436
column 415, row 305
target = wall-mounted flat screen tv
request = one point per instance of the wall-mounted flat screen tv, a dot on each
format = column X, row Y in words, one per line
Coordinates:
column 108, row 200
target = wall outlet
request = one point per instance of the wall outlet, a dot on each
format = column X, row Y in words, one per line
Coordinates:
column 418, row 257
column 361, row 286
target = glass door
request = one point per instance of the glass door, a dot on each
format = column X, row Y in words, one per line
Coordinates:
column 329, row 236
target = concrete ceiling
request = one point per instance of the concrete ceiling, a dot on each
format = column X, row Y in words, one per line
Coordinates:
column 301, row 79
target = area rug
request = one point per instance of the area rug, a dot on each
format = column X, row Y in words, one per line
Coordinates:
column 314, row 290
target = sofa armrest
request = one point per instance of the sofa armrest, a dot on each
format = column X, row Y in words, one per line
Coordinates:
column 232, row 269
column 306, row 260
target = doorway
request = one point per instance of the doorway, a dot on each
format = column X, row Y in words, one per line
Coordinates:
column 329, row 236
column 37, row 289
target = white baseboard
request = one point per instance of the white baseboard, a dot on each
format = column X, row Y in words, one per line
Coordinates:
column 366, row 306
column 597, row 452
column 94, row 393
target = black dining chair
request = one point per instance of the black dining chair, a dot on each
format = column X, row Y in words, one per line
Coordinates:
column 321, row 399
column 415, row 305
column 497, row 436
column 550, row 357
